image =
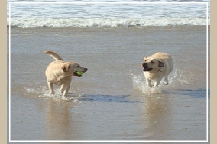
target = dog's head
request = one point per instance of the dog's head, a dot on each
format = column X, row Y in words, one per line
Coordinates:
column 71, row 68
column 152, row 64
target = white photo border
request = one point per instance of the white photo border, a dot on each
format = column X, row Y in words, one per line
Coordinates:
column 96, row 141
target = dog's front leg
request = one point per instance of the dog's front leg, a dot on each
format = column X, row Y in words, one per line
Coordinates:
column 156, row 83
column 165, row 80
column 148, row 82
column 50, row 86
column 61, row 88
column 65, row 89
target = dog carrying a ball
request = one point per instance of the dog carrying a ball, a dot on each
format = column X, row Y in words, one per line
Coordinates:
column 60, row 73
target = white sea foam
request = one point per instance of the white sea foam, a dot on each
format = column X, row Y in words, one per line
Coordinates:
column 104, row 22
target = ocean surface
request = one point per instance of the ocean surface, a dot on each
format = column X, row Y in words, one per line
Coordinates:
column 107, row 14
column 111, row 100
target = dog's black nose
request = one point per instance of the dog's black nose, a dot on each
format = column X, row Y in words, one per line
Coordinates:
column 85, row 69
column 144, row 65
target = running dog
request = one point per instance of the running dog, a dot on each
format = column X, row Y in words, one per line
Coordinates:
column 60, row 73
column 157, row 67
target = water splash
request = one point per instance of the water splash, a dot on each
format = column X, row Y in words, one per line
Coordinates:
column 176, row 79
column 42, row 92
column 139, row 83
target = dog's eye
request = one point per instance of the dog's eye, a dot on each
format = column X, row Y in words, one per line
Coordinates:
column 152, row 61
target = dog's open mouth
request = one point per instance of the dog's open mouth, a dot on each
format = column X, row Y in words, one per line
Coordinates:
column 147, row 69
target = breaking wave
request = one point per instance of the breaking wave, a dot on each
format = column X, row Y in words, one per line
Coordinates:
column 103, row 22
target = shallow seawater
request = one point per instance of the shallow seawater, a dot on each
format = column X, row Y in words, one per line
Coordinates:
column 111, row 100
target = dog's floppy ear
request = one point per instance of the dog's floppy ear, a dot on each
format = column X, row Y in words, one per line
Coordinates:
column 66, row 66
column 160, row 64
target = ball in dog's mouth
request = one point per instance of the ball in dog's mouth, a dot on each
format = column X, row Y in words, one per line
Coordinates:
column 78, row 73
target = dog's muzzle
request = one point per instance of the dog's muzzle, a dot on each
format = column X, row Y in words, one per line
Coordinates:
column 145, row 67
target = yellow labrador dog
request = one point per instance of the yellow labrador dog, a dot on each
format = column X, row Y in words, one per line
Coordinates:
column 60, row 73
column 156, row 67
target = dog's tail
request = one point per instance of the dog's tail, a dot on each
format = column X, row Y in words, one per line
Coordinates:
column 54, row 55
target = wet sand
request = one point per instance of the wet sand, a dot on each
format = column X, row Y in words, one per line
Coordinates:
column 111, row 100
